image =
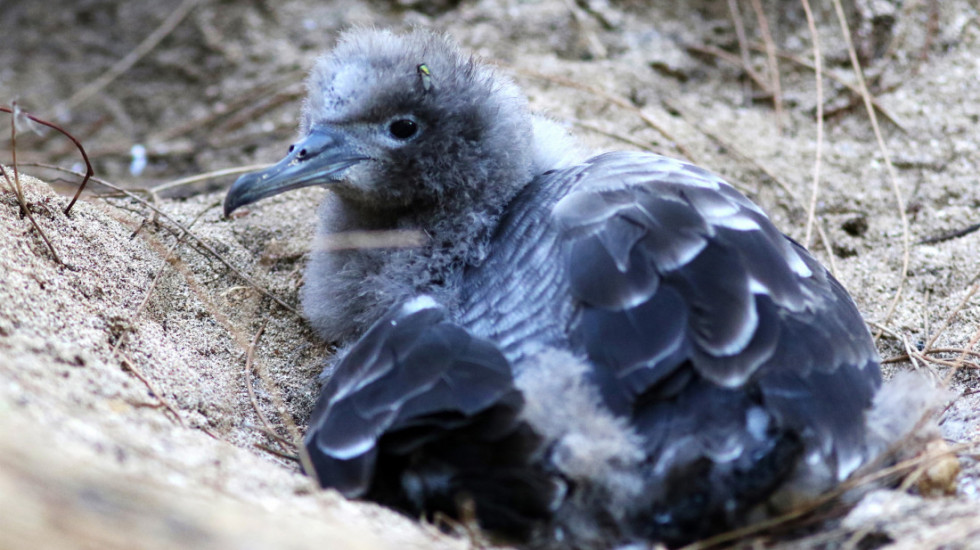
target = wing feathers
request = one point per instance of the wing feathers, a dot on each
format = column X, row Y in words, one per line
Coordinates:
column 639, row 226
column 690, row 298
column 413, row 372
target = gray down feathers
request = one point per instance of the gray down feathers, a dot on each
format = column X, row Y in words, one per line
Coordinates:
column 452, row 189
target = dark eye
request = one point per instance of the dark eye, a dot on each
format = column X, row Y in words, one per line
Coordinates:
column 403, row 128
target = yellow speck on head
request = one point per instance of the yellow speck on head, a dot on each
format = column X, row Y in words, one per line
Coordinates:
column 425, row 75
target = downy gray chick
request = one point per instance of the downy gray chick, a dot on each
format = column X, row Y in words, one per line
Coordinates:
column 586, row 352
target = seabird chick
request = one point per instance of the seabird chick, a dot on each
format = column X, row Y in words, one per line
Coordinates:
column 585, row 351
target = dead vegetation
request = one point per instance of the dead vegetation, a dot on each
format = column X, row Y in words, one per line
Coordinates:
column 156, row 348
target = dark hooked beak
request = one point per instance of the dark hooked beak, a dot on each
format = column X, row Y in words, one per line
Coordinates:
column 319, row 158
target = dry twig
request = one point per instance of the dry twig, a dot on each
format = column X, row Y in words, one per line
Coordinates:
column 88, row 165
column 130, row 366
column 950, row 235
column 124, row 64
column 952, row 315
column 773, row 63
column 743, row 43
column 18, row 191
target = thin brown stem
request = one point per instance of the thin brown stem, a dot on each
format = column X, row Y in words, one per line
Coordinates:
column 19, row 191
column 88, row 165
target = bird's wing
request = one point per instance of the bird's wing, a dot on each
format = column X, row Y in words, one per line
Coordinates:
column 682, row 280
column 419, row 412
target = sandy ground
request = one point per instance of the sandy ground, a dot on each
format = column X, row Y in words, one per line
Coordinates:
column 125, row 415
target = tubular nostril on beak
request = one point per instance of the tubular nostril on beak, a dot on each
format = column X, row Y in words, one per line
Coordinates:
column 301, row 154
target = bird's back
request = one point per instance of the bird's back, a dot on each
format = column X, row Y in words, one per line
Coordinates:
column 735, row 367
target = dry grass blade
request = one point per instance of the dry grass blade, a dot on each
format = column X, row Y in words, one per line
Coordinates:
column 913, row 356
column 235, row 105
column 963, row 351
column 222, row 318
column 88, row 165
column 581, row 19
column 18, row 192
column 892, row 176
column 270, row 435
column 200, row 242
column 127, row 363
column 280, row 454
column 124, row 64
column 743, row 44
column 721, row 54
column 818, row 64
column 130, row 366
column 614, row 135
column 932, row 29
column 190, row 180
column 257, row 109
column 777, row 93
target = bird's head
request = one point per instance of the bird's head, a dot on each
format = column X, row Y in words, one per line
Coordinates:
column 396, row 122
